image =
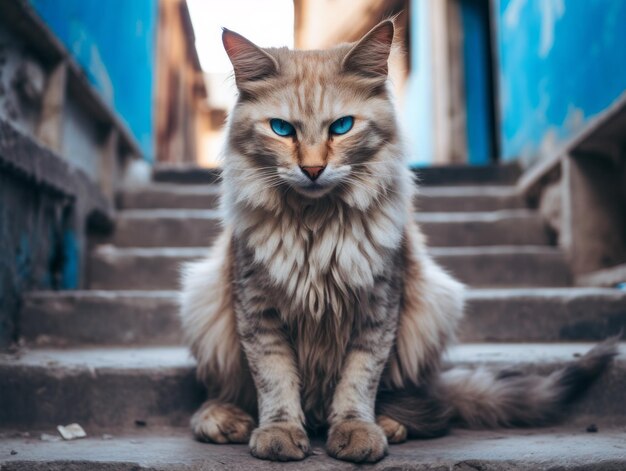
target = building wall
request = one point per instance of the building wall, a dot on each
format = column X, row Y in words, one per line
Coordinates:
column 115, row 43
column 560, row 64
column 31, row 247
column 181, row 111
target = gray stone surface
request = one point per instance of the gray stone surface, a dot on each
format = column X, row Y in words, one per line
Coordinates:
column 495, row 174
column 186, row 174
column 169, row 196
column 113, row 387
column 559, row 448
column 100, row 318
column 468, row 198
column 505, row 174
column 197, row 228
column 429, row 199
column 94, row 317
column 159, row 268
column 543, row 315
column 505, row 266
column 507, row 227
column 610, row 277
column 166, row 228
column 133, row 269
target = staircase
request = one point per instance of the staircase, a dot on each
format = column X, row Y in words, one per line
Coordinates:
column 110, row 357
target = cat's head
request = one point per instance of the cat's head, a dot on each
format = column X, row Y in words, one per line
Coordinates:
column 317, row 122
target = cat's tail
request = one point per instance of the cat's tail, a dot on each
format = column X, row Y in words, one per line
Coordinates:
column 483, row 398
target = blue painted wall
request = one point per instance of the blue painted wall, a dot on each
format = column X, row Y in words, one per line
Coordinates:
column 478, row 84
column 560, row 63
column 115, row 43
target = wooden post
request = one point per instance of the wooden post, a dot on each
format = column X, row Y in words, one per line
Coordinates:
column 109, row 163
column 50, row 128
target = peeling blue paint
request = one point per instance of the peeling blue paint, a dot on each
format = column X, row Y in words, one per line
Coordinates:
column 115, row 43
column 70, row 275
column 561, row 63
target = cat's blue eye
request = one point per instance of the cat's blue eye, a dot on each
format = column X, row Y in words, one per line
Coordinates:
column 342, row 125
column 282, row 127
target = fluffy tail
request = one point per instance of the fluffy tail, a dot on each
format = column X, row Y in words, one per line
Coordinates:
column 482, row 398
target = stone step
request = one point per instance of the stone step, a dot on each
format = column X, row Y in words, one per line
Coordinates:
column 506, row 266
column 430, row 199
column 496, row 174
column 564, row 448
column 115, row 387
column 468, row 198
column 78, row 318
column 158, row 268
column 169, row 196
column 196, row 228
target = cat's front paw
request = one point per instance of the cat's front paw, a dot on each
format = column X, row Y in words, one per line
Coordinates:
column 282, row 441
column 357, row 441
column 220, row 422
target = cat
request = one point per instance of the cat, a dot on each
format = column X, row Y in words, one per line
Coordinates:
column 319, row 308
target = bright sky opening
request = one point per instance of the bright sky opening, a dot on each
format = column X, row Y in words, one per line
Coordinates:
column 265, row 22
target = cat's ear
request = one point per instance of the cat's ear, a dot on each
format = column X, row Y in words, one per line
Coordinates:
column 369, row 56
column 250, row 62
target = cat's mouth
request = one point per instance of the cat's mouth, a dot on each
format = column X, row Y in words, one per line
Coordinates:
column 314, row 189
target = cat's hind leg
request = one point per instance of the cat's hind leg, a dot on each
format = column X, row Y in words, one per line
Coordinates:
column 222, row 422
column 394, row 430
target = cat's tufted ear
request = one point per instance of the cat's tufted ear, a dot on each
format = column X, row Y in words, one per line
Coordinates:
column 250, row 62
column 369, row 56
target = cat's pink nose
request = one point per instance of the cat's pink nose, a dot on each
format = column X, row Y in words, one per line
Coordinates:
column 312, row 172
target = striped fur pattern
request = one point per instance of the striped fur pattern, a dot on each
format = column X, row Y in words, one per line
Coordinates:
column 319, row 307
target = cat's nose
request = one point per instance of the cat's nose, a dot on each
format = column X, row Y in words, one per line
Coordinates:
column 312, row 172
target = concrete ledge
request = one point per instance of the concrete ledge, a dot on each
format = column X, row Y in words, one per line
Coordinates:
column 506, row 266
column 556, row 448
column 608, row 277
column 505, row 174
column 113, row 387
column 81, row 318
column 447, row 175
column 169, row 196
column 189, row 174
column 429, row 199
column 24, row 157
column 199, row 227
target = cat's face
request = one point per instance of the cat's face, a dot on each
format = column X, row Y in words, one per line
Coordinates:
column 313, row 121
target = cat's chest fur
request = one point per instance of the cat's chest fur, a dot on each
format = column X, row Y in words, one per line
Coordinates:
column 317, row 257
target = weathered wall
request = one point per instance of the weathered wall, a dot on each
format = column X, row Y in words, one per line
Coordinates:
column 115, row 43
column 560, row 64
column 38, row 249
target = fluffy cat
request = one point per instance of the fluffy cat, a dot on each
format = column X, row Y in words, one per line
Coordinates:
column 319, row 307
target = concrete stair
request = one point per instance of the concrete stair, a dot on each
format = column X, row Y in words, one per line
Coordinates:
column 110, row 357
column 198, row 227
column 126, row 318
column 112, row 387
column 174, row 450
column 497, row 266
column 430, row 199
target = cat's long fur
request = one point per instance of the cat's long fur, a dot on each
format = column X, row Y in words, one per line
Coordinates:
column 327, row 310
